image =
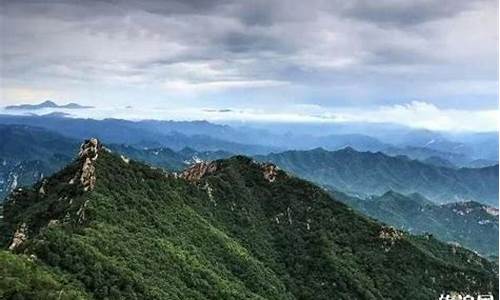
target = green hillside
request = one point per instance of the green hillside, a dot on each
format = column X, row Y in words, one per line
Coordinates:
column 470, row 224
column 109, row 228
column 366, row 173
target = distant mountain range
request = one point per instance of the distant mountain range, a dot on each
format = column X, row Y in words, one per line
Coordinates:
column 470, row 224
column 466, row 150
column 358, row 173
column 109, row 227
column 366, row 173
column 138, row 134
column 46, row 104
column 27, row 154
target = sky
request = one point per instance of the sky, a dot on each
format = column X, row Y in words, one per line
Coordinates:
column 428, row 64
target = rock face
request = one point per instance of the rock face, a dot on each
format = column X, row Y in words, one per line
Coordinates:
column 270, row 172
column 197, row 171
column 89, row 151
column 19, row 236
column 390, row 233
column 390, row 236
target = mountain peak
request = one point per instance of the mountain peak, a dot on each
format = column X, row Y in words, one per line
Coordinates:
column 48, row 103
column 89, row 151
column 199, row 170
column 348, row 149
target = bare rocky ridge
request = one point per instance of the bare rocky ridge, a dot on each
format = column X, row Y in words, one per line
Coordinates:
column 197, row 171
column 84, row 177
column 89, row 151
column 19, row 237
column 270, row 171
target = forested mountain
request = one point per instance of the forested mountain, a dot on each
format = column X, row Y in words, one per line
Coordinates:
column 367, row 173
column 167, row 158
column 470, row 224
column 27, row 154
column 108, row 227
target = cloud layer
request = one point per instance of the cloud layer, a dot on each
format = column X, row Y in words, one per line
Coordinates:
column 252, row 54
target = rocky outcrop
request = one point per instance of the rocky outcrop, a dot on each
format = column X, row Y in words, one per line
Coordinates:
column 270, row 172
column 42, row 188
column 391, row 234
column 19, row 237
column 197, row 171
column 89, row 151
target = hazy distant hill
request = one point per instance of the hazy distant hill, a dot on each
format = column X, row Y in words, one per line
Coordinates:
column 106, row 227
column 470, row 224
column 27, row 154
column 367, row 173
column 46, row 104
column 116, row 131
column 479, row 149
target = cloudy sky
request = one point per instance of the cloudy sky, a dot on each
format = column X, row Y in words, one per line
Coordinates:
column 423, row 63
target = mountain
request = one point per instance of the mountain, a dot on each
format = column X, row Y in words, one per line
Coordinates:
column 46, row 104
column 167, row 158
column 459, row 150
column 439, row 162
column 367, row 173
column 429, row 155
column 484, row 144
column 108, row 227
column 481, row 163
column 27, row 154
column 470, row 224
column 139, row 134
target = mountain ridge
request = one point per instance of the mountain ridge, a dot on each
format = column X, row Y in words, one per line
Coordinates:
column 112, row 227
column 470, row 224
column 46, row 104
column 368, row 173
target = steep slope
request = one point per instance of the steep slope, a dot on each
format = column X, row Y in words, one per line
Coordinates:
column 20, row 273
column 229, row 229
column 367, row 173
column 470, row 224
column 27, row 154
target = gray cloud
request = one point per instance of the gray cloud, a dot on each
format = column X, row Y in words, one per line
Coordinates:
column 322, row 52
column 401, row 12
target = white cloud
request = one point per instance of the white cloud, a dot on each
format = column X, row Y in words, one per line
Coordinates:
column 420, row 114
column 416, row 114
